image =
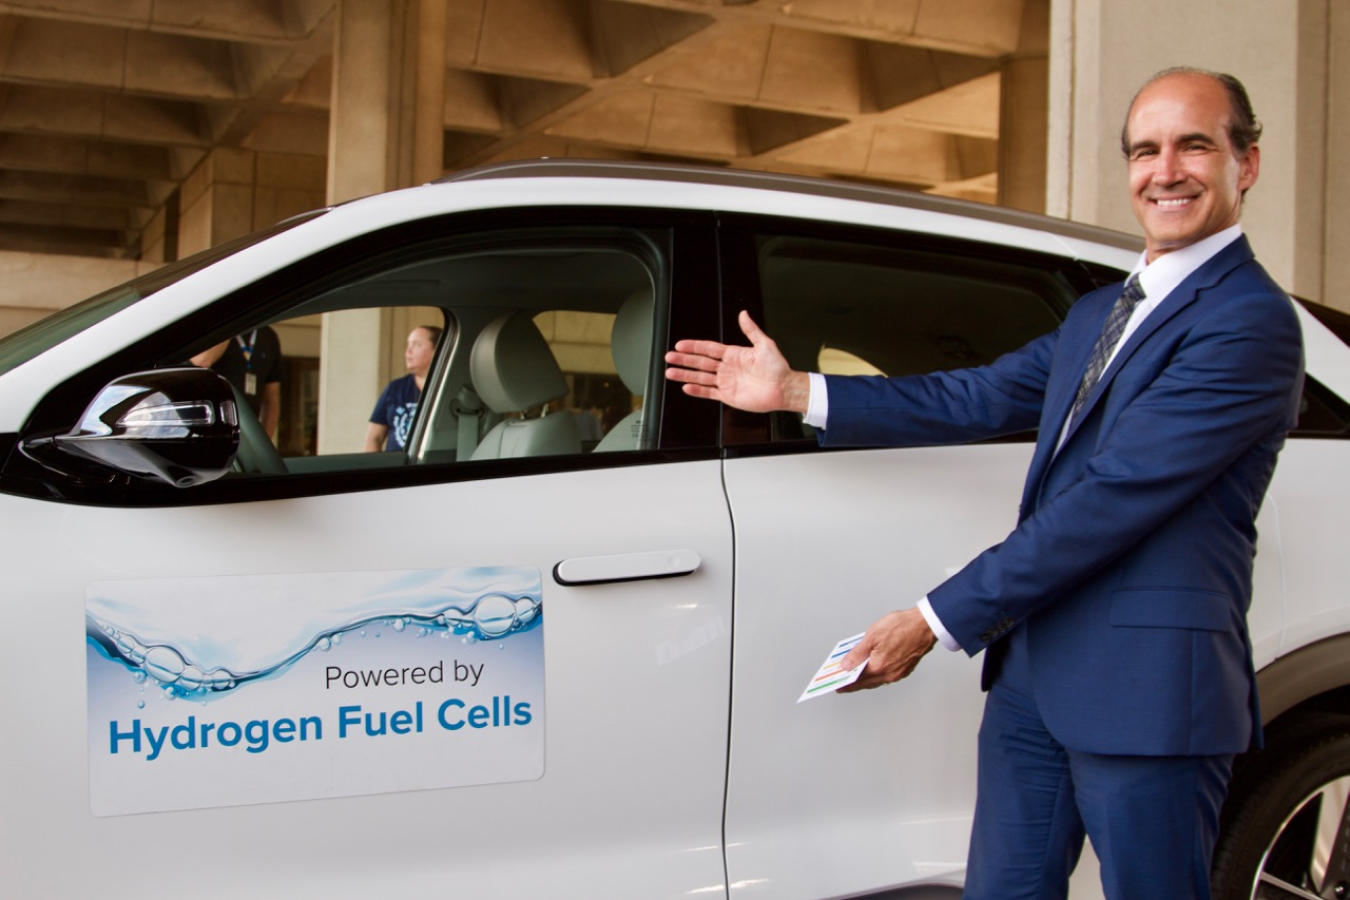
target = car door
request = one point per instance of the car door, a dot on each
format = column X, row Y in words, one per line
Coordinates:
column 852, row 795
column 445, row 670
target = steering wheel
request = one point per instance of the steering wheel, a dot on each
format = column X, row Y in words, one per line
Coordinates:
column 257, row 454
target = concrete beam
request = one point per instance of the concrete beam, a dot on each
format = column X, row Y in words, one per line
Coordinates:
column 626, row 34
column 252, row 20
column 974, row 27
column 79, row 156
column 38, row 238
column 547, row 39
column 90, row 190
column 92, row 114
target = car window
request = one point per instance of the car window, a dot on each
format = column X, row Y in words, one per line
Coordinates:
column 849, row 307
column 518, row 345
column 1322, row 413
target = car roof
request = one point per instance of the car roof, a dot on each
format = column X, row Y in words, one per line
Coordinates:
column 794, row 184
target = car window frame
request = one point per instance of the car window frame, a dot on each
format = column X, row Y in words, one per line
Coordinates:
column 687, row 430
column 752, row 434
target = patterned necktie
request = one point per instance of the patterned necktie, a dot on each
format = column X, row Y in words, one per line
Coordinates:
column 1106, row 344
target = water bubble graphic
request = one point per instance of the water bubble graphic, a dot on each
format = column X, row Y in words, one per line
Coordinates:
column 164, row 664
column 173, row 668
column 494, row 615
column 220, row 680
column 191, row 679
column 456, row 620
column 140, row 704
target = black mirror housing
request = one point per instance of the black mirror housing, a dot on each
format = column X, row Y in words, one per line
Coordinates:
column 179, row 426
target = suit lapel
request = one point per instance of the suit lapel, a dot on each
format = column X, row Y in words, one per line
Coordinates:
column 1064, row 384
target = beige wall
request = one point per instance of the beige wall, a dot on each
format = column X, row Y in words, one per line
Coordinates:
column 1335, row 261
column 1102, row 50
column 35, row 285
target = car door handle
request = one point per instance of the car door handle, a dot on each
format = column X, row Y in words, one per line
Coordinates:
column 626, row 567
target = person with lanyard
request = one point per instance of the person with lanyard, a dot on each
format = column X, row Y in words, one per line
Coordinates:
column 252, row 363
column 1112, row 618
column 392, row 420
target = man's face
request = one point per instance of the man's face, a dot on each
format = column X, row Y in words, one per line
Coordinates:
column 1186, row 182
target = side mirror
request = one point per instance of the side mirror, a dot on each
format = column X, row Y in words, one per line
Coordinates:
column 179, row 426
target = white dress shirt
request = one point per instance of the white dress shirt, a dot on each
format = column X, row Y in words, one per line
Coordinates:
column 1158, row 280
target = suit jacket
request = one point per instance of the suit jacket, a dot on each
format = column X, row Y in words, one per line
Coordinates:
column 1131, row 564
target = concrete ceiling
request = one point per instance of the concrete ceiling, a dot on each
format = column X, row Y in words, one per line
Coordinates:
column 107, row 105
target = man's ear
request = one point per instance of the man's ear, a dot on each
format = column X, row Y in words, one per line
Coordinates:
column 1249, row 167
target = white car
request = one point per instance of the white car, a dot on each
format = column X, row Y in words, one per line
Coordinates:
column 530, row 657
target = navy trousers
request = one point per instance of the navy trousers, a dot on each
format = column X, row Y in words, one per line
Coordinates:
column 1153, row 820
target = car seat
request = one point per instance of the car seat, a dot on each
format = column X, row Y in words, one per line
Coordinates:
column 514, row 371
column 631, row 347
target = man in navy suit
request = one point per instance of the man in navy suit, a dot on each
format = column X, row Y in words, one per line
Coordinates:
column 1114, row 615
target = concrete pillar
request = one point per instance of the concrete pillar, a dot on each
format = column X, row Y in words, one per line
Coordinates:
column 428, row 157
column 361, row 133
column 234, row 192
column 1024, row 113
column 216, row 201
column 1103, row 50
column 1336, row 265
column 363, row 113
column 386, row 131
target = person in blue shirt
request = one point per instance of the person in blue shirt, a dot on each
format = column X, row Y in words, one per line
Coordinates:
column 391, row 422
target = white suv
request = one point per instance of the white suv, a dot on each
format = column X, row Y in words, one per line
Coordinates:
column 546, row 651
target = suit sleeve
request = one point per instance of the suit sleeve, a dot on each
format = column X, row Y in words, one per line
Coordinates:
column 1004, row 397
column 1209, row 423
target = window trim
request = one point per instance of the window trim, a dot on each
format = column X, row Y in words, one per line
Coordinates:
column 686, row 430
column 751, row 434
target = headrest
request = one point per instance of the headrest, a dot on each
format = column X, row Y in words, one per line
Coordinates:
column 512, row 366
column 631, row 340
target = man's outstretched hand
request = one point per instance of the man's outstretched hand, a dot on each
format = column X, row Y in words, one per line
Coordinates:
column 892, row 647
column 755, row 378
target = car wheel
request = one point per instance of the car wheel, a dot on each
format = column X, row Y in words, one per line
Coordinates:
column 1286, row 827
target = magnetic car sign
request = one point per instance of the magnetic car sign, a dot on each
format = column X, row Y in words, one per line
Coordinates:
column 255, row 689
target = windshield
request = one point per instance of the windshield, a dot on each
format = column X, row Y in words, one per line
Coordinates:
column 26, row 343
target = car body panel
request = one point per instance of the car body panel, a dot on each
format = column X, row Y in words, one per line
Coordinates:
column 636, row 695
column 677, row 761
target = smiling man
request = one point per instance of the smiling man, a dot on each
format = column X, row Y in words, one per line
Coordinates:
column 1190, row 142
column 1113, row 618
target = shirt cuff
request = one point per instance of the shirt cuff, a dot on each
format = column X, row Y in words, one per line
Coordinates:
column 943, row 635
column 818, row 401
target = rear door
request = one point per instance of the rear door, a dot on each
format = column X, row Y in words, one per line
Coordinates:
column 448, row 670
column 845, row 795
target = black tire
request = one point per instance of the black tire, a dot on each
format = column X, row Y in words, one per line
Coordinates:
column 1279, row 801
